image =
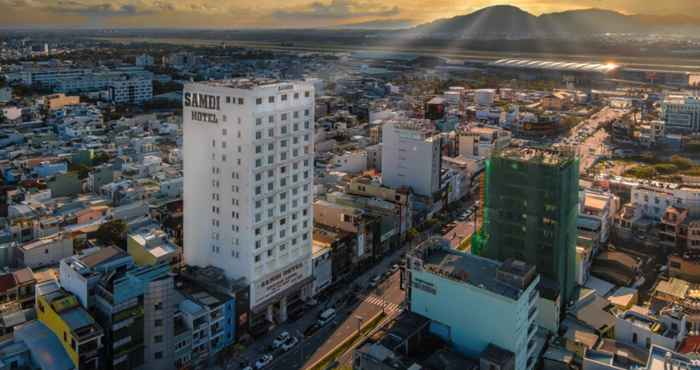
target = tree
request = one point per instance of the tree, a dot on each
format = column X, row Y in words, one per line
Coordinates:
column 112, row 233
column 682, row 163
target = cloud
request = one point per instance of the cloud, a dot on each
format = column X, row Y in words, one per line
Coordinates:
column 337, row 9
column 100, row 9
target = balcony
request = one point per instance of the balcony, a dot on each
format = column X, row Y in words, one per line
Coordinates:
column 131, row 313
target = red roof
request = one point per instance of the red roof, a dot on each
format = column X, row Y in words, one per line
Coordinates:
column 7, row 282
column 691, row 344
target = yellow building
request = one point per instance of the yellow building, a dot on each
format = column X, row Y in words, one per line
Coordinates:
column 77, row 331
column 149, row 246
column 58, row 101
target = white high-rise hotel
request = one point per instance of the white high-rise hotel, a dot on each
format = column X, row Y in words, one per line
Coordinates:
column 248, row 162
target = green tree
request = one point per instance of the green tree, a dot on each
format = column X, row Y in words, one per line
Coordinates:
column 112, row 233
column 682, row 163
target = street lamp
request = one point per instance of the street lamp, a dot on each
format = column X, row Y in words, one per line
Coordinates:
column 360, row 319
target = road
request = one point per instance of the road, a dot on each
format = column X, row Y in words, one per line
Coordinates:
column 590, row 139
column 387, row 296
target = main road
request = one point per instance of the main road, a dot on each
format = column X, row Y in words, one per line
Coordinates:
column 387, row 297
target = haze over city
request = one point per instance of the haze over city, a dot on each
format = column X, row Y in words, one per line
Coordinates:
column 349, row 185
column 287, row 14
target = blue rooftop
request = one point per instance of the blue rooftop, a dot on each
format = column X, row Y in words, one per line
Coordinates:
column 45, row 348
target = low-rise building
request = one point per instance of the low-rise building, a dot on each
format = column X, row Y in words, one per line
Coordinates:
column 44, row 252
column 78, row 332
column 151, row 246
column 442, row 280
column 638, row 327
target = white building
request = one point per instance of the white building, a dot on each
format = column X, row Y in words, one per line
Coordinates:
column 350, row 161
column 638, row 327
column 322, row 268
column 248, row 167
column 144, row 60
column 601, row 206
column 484, row 97
column 410, row 157
column 655, row 198
column 681, row 113
column 479, row 142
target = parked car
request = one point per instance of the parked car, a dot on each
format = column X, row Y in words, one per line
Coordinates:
column 279, row 341
column 395, row 267
column 326, row 316
column 263, row 361
column 374, row 281
column 290, row 343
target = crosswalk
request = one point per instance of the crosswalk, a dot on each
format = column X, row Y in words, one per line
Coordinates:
column 389, row 307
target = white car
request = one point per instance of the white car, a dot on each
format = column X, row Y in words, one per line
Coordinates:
column 290, row 343
column 279, row 341
column 263, row 361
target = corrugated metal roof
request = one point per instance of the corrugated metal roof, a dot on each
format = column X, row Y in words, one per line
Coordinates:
column 555, row 65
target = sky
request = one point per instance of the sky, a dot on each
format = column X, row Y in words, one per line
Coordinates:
column 286, row 13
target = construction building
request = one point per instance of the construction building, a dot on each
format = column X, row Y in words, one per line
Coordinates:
column 529, row 212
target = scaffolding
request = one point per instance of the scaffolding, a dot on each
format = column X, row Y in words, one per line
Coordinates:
column 529, row 202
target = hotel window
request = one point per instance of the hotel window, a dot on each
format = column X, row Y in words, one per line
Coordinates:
column 258, row 121
column 284, row 116
column 296, row 95
column 258, row 101
column 306, row 112
column 257, row 258
column 307, row 94
column 228, row 99
column 284, row 97
column 223, row 132
column 241, row 101
column 296, row 114
column 270, row 119
column 271, row 99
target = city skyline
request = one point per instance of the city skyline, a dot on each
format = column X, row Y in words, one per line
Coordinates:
column 292, row 14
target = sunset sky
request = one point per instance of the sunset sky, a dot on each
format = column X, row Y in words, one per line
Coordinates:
column 285, row 13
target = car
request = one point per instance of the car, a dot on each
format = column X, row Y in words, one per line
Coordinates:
column 374, row 281
column 311, row 303
column 394, row 267
column 326, row 317
column 311, row 330
column 283, row 337
column 263, row 361
column 290, row 343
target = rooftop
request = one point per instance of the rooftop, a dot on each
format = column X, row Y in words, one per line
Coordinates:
column 555, row 65
column 247, row 84
column 45, row 347
column 546, row 156
column 508, row 279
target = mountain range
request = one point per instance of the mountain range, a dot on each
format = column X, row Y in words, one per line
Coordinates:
column 505, row 21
